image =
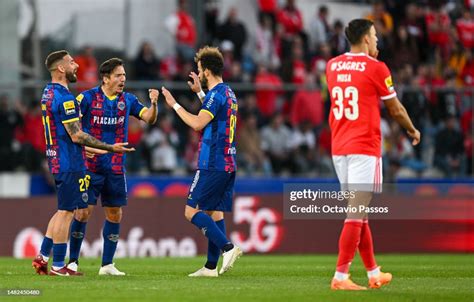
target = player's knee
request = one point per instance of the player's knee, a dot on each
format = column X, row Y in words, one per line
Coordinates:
column 114, row 214
column 82, row 215
column 189, row 213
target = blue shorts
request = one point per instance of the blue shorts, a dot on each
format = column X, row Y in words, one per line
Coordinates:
column 73, row 190
column 212, row 191
column 112, row 189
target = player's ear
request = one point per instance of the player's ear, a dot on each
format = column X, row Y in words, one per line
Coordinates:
column 60, row 67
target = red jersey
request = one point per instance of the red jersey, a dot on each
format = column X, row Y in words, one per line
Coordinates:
column 356, row 84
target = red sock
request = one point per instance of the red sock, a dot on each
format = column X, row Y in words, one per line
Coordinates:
column 348, row 242
column 366, row 247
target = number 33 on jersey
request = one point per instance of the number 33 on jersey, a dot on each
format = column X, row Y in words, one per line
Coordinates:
column 356, row 84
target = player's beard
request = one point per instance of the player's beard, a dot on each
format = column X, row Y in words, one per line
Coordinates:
column 204, row 82
column 71, row 77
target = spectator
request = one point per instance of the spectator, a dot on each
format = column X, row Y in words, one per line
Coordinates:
column 275, row 144
column 34, row 146
column 233, row 30
column 292, row 21
column 406, row 50
column 265, row 50
column 191, row 152
column 267, row 91
column 338, row 41
column 467, row 73
column 9, row 121
column 383, row 23
column 307, row 105
column 162, row 142
column 438, row 24
column 465, row 29
column 249, row 107
column 449, row 149
column 294, row 68
column 269, row 9
column 135, row 137
column 87, row 74
column 252, row 157
column 320, row 31
column 182, row 26
column 303, row 143
column 416, row 28
column 146, row 64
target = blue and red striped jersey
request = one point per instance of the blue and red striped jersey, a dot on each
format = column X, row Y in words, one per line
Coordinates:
column 59, row 107
column 217, row 146
column 107, row 120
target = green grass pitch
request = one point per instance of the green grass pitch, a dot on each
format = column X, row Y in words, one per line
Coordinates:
column 417, row 277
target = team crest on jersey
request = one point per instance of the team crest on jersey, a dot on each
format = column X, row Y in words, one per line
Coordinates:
column 96, row 105
column 85, row 197
column 121, row 105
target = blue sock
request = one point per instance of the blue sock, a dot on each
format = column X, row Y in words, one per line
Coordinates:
column 59, row 253
column 111, row 236
column 78, row 230
column 213, row 252
column 209, row 228
column 46, row 246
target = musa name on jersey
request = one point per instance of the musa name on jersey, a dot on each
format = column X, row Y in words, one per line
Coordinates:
column 59, row 107
column 107, row 120
column 217, row 146
column 357, row 83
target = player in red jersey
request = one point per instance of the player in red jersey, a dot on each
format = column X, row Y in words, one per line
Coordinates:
column 357, row 82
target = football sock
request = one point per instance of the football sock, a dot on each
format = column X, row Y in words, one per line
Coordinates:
column 213, row 252
column 373, row 273
column 46, row 246
column 341, row 276
column 348, row 242
column 78, row 230
column 59, row 252
column 366, row 247
column 210, row 229
column 111, row 236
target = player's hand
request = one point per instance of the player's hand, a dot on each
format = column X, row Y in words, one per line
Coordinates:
column 153, row 94
column 120, row 148
column 168, row 96
column 195, row 84
column 91, row 152
column 415, row 136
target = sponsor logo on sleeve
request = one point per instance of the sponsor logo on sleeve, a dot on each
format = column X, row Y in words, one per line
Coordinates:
column 389, row 83
column 69, row 107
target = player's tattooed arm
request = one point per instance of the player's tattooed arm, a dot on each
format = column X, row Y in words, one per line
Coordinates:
column 80, row 137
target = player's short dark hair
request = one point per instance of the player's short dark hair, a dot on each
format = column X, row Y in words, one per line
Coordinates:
column 54, row 57
column 356, row 29
column 211, row 58
column 108, row 66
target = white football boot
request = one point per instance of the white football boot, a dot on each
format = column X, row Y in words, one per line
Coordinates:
column 204, row 272
column 110, row 270
column 228, row 259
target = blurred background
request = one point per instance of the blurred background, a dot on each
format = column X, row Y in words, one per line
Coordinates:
column 275, row 54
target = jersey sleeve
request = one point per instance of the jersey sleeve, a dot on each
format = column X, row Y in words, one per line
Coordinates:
column 384, row 83
column 211, row 104
column 69, row 110
column 136, row 107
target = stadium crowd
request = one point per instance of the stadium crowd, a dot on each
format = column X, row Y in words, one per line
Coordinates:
column 282, row 128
